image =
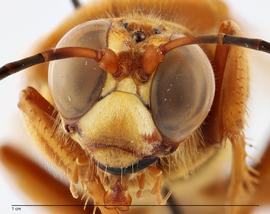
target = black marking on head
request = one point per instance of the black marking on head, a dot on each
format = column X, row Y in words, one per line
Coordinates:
column 157, row 31
column 125, row 25
column 139, row 36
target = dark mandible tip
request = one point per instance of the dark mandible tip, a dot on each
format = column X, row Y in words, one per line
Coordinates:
column 140, row 165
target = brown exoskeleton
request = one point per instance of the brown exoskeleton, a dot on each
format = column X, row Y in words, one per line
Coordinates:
column 138, row 102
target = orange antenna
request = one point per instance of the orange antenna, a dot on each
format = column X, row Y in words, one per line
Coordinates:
column 106, row 58
column 221, row 39
column 154, row 55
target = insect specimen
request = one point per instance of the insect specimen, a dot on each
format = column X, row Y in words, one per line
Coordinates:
column 143, row 94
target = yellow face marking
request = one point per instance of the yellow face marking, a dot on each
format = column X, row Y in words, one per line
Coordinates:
column 127, row 85
column 118, row 121
column 119, row 129
column 109, row 86
column 144, row 91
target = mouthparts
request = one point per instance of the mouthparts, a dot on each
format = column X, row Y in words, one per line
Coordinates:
column 133, row 168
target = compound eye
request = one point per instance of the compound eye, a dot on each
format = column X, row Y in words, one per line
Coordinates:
column 76, row 83
column 182, row 92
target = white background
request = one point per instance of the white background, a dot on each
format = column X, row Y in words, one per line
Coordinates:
column 23, row 22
